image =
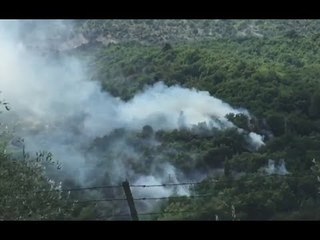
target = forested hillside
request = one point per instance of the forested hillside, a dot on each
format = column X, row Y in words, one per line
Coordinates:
column 256, row 158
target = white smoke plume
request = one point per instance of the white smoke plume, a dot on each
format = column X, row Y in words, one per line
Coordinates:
column 271, row 169
column 165, row 107
column 256, row 140
column 56, row 108
column 279, row 169
column 282, row 170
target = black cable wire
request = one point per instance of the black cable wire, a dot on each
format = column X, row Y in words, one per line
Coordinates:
column 80, row 189
column 143, row 198
column 163, row 198
column 155, row 213
column 101, row 200
column 163, row 185
column 115, row 186
column 166, row 184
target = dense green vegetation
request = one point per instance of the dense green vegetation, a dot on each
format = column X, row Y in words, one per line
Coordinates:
column 275, row 77
column 26, row 192
column 152, row 31
column 264, row 75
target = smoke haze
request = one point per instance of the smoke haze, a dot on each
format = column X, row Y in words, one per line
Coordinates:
column 56, row 108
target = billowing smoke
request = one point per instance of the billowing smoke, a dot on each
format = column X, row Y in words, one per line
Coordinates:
column 165, row 107
column 279, row 169
column 282, row 170
column 56, row 108
column 256, row 140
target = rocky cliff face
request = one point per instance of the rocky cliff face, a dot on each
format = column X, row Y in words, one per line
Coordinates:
column 49, row 35
column 71, row 34
column 159, row 31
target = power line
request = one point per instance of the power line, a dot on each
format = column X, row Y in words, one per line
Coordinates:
column 102, row 200
column 80, row 189
column 170, row 212
column 138, row 199
column 144, row 198
column 157, row 213
column 116, row 186
column 164, row 198
column 167, row 184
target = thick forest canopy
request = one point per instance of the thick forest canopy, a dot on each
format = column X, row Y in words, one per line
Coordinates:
column 232, row 106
